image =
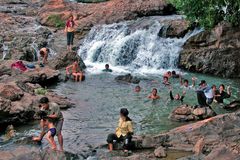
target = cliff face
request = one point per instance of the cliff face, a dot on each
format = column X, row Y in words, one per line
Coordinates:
column 88, row 15
column 214, row 52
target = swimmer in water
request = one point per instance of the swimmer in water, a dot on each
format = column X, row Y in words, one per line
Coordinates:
column 154, row 95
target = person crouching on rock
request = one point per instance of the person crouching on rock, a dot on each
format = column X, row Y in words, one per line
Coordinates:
column 123, row 132
column 77, row 74
column 154, row 94
column 52, row 111
column 48, row 122
column 69, row 30
column 43, row 56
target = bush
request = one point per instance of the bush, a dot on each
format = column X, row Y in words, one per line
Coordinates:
column 208, row 13
column 91, row 1
column 40, row 91
column 56, row 21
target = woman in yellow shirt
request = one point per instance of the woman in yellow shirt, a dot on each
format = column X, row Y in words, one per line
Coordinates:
column 123, row 132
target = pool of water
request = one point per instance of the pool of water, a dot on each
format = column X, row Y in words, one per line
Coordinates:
column 99, row 98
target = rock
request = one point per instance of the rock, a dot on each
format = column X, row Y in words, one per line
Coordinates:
column 186, row 113
column 160, row 152
column 198, row 148
column 10, row 92
column 65, row 59
column 19, row 104
column 22, row 152
column 233, row 105
column 127, row 78
column 42, row 76
column 104, row 13
column 210, row 53
column 175, row 29
column 222, row 153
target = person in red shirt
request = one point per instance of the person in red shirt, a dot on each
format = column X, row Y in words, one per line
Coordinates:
column 69, row 30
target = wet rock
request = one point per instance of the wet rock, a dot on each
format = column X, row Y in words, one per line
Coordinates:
column 186, row 113
column 127, row 78
column 160, row 152
column 175, row 29
column 235, row 105
column 65, row 59
column 213, row 53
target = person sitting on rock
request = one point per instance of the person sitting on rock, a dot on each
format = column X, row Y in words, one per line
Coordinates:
column 204, row 94
column 221, row 94
column 166, row 81
column 43, row 56
column 52, row 111
column 154, row 95
column 78, row 75
column 177, row 96
column 137, row 89
column 107, row 69
column 123, row 133
column 48, row 122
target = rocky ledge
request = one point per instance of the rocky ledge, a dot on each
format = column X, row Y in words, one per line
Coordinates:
column 19, row 93
column 88, row 15
column 214, row 52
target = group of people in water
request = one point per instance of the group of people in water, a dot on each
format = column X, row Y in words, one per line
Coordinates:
column 52, row 119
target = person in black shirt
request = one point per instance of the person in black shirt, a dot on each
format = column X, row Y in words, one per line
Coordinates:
column 221, row 94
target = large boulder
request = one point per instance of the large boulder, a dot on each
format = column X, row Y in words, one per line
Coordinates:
column 66, row 58
column 213, row 52
column 175, row 28
column 19, row 102
column 185, row 113
column 127, row 78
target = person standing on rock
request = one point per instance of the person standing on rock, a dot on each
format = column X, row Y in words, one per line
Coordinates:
column 69, row 30
column 221, row 94
column 53, row 111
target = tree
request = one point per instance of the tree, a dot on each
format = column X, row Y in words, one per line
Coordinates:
column 209, row 12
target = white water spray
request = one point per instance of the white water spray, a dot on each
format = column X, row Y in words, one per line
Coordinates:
column 127, row 46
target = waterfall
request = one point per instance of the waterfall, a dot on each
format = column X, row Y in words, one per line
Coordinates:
column 133, row 46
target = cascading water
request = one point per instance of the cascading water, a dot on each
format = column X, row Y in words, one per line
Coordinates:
column 132, row 45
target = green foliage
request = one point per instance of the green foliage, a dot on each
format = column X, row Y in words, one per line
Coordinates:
column 209, row 12
column 91, row 1
column 56, row 20
column 40, row 91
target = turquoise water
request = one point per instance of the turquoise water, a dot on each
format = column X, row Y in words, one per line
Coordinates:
column 99, row 99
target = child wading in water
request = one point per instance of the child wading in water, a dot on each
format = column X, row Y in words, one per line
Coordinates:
column 123, row 132
column 48, row 122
